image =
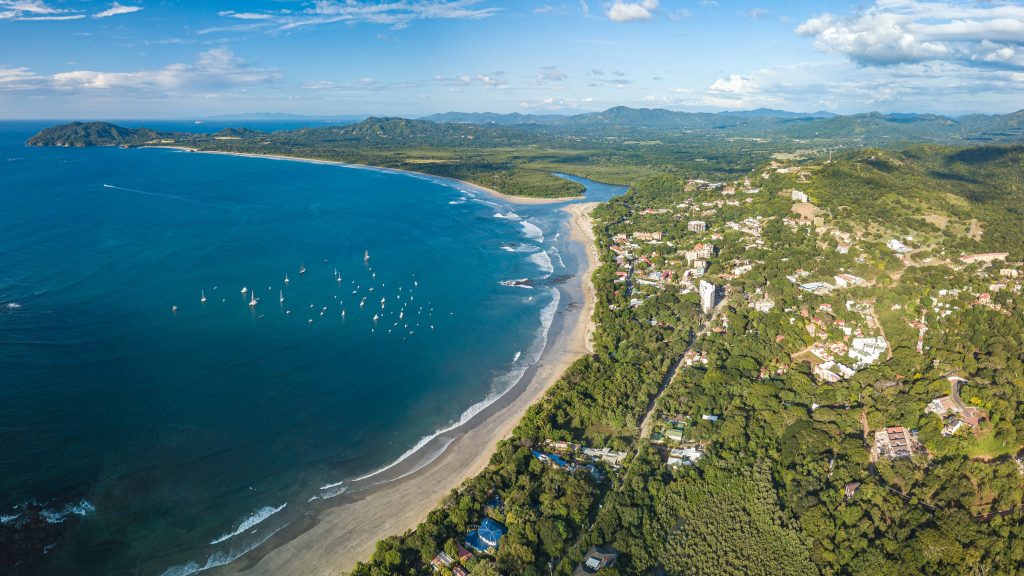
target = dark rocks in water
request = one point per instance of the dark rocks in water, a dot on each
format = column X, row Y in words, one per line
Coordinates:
column 560, row 279
column 520, row 282
column 26, row 537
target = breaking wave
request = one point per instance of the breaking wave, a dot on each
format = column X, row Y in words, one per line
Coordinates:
column 532, row 231
column 219, row 558
column 543, row 261
column 256, row 517
column 81, row 508
column 501, row 387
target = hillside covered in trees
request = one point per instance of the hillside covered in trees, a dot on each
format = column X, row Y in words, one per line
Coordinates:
column 745, row 450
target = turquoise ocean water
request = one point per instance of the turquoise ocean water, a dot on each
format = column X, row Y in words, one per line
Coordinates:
column 139, row 440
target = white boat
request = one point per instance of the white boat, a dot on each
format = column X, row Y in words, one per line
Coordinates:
column 245, row 290
column 286, row 279
column 203, row 299
column 366, row 256
column 302, row 269
column 252, row 301
column 376, row 317
column 174, row 308
column 282, row 296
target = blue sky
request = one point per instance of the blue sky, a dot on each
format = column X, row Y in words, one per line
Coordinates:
column 158, row 58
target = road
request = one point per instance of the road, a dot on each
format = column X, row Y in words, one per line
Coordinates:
column 648, row 422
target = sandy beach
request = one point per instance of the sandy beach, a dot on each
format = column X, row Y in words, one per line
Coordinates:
column 491, row 191
column 344, row 533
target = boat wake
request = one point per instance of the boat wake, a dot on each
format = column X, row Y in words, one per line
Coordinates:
column 158, row 195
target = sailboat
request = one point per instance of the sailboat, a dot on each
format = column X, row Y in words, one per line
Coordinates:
column 366, row 256
column 244, row 290
column 282, row 296
column 203, row 299
column 302, row 269
column 286, row 279
column 253, row 301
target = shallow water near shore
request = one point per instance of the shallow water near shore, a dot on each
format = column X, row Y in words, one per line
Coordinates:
column 163, row 441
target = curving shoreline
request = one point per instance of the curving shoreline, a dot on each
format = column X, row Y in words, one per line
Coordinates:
column 462, row 183
column 345, row 529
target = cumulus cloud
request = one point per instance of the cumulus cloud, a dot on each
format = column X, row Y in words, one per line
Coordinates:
column 116, row 9
column 735, row 84
column 215, row 69
column 632, row 11
column 894, row 32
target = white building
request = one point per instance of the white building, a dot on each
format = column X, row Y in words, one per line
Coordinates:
column 697, row 226
column 798, row 196
column 897, row 246
column 866, row 350
column 707, row 296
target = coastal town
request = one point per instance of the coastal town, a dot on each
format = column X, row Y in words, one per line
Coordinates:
column 764, row 281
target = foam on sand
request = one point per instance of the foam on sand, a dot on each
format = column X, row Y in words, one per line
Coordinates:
column 219, row 558
column 254, row 519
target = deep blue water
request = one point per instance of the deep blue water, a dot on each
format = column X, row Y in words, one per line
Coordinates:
column 149, row 437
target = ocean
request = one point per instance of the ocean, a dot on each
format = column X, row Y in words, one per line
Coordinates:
column 169, row 401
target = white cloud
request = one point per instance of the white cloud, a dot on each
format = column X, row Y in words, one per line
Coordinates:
column 245, row 15
column 215, row 69
column 735, row 84
column 551, row 104
column 18, row 79
column 894, row 32
column 34, row 10
column 116, row 9
column 491, row 80
column 552, row 74
column 632, row 11
column 394, row 13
